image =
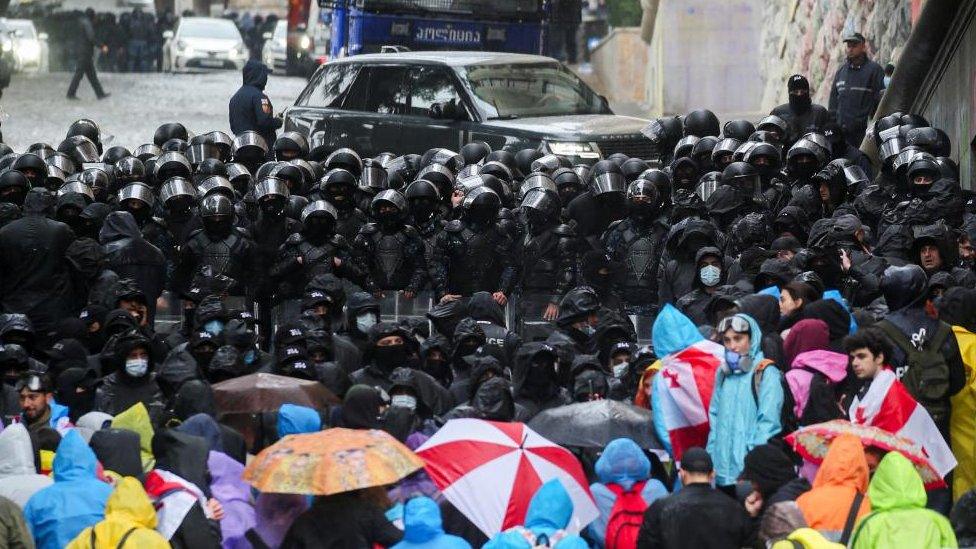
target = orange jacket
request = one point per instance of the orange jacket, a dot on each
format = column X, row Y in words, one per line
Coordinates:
column 844, row 472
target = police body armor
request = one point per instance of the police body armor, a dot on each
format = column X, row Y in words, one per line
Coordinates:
column 639, row 249
column 224, row 257
column 476, row 259
column 389, row 257
column 316, row 259
column 349, row 222
column 549, row 261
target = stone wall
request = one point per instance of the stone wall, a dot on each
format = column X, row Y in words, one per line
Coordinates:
column 803, row 36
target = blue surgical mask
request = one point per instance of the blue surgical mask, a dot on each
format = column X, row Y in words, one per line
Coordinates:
column 620, row 370
column 214, row 327
column 136, row 367
column 365, row 322
column 710, row 275
column 250, row 356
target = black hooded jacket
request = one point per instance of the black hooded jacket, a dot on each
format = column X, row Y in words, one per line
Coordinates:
column 120, row 391
column 250, row 108
column 536, row 390
column 36, row 284
column 499, row 342
column 186, row 456
column 131, row 256
column 677, row 273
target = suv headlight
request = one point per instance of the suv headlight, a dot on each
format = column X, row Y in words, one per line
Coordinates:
column 569, row 148
column 305, row 42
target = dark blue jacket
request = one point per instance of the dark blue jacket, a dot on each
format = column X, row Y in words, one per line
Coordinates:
column 250, row 108
column 855, row 94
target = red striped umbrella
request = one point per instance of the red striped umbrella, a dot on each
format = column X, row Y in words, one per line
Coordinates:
column 490, row 471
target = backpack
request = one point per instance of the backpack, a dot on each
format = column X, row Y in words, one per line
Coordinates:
column 626, row 516
column 787, row 418
column 927, row 378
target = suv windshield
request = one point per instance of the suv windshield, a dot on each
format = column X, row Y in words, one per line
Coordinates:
column 209, row 28
column 530, row 89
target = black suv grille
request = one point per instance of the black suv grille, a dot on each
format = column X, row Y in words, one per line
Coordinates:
column 638, row 147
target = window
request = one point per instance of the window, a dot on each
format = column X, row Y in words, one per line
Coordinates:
column 378, row 89
column 429, row 85
column 331, row 85
column 530, row 89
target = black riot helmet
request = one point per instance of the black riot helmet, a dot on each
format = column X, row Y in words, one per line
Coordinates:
column 524, row 159
column 223, row 142
column 250, row 149
column 271, row 195
column 685, row 145
column 147, row 151
column 481, row 206
column 447, row 157
column 80, row 149
column 178, row 195
column 441, row 176
column 642, row 200
column 129, row 170
column 172, row 164
column 738, row 129
column 318, row 222
column 99, row 181
column 744, row 177
column 374, row 176
column 291, row 174
column 176, row 145
column 217, row 213
column 290, row 145
column 948, row 167
column 422, row 198
column 633, row 167
column 387, row 207
column 775, row 125
column 170, row 130
column 701, row 153
column 700, row 123
column 338, row 187
column 13, row 187
column 33, row 167
column 346, row 159
column 114, row 154
column 708, row 184
column 724, row 151
column 568, row 184
column 209, row 167
column 505, row 157
column 923, row 170
column 296, row 204
column 88, row 129
column 541, row 209
column 684, row 173
column 475, row 152
column 662, row 181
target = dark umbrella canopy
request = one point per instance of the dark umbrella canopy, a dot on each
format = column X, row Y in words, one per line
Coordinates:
column 595, row 424
column 267, row 392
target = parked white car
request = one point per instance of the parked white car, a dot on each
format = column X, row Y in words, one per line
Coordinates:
column 25, row 42
column 204, row 43
column 275, row 52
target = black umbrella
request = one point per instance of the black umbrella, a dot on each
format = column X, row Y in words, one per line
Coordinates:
column 595, row 424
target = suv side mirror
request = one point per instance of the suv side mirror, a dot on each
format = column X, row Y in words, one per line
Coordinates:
column 168, row 35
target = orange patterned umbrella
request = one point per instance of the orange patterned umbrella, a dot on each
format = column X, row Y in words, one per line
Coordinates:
column 331, row 462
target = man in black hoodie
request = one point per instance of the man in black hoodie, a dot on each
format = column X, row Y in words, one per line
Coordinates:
column 250, row 108
column 800, row 114
column 132, row 256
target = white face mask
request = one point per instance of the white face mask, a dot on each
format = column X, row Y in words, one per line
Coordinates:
column 619, row 370
column 710, row 275
column 136, row 367
column 404, row 401
column 365, row 322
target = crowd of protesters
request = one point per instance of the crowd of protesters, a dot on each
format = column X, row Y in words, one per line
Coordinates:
column 788, row 287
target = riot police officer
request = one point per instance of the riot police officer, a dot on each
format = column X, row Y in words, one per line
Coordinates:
column 219, row 249
column 390, row 252
column 548, row 255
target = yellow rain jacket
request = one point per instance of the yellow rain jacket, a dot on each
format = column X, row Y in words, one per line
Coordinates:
column 128, row 514
column 962, row 425
column 137, row 419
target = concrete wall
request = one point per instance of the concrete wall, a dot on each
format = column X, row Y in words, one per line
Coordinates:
column 704, row 54
column 803, row 36
column 619, row 63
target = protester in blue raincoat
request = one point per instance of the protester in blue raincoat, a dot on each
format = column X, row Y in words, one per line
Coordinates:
column 624, row 464
column 422, row 527
column 746, row 400
column 74, row 502
column 547, row 517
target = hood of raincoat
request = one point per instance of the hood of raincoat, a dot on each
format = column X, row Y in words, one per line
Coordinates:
column 91, row 422
column 205, row 427
column 550, row 508
column 958, row 307
column 130, row 503
column 831, row 364
column 833, row 313
column 74, row 460
column 524, row 357
column 421, row 520
column 194, row 397
column 16, row 452
column 225, row 478
column 806, row 335
column 673, row 332
column 118, row 225
column 294, row 420
column 493, row 400
column 118, row 451
column 183, row 455
column 358, row 303
column 481, row 306
column 844, row 465
column 896, row 485
column 361, row 407
column 755, row 340
column 623, row 463
column 136, row 419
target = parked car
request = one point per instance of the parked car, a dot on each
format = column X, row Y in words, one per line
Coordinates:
column 275, row 54
column 25, row 43
column 204, row 43
column 306, row 55
column 409, row 102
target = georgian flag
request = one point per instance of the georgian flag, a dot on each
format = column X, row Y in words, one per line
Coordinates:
column 683, row 390
column 888, row 405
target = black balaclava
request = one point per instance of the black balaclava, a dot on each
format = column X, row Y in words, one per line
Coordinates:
column 799, row 103
column 68, row 384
